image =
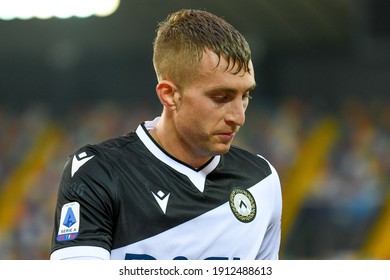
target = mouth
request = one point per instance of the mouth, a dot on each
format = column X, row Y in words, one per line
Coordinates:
column 226, row 136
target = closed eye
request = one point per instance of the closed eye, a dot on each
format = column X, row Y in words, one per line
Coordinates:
column 225, row 95
column 222, row 98
column 247, row 96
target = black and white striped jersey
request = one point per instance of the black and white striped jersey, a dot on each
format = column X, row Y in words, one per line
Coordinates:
column 126, row 198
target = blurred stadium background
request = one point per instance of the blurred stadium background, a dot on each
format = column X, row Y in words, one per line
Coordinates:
column 321, row 113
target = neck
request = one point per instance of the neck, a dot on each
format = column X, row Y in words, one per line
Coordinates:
column 166, row 137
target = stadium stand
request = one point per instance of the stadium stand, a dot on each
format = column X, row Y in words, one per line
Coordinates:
column 334, row 167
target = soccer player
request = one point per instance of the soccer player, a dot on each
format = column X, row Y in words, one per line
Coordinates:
column 175, row 187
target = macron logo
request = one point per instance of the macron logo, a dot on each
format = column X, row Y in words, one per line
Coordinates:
column 78, row 161
column 162, row 200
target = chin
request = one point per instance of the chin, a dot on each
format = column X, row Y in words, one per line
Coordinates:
column 223, row 149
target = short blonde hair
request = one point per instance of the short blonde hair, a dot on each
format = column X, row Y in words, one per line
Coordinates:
column 184, row 36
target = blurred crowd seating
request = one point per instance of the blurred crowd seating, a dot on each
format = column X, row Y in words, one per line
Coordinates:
column 334, row 220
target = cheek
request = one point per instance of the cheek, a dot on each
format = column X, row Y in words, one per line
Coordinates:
column 198, row 116
column 192, row 122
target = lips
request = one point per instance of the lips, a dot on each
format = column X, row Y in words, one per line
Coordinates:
column 226, row 136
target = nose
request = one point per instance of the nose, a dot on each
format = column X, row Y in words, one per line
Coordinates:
column 236, row 113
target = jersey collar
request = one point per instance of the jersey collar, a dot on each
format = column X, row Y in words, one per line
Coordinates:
column 197, row 176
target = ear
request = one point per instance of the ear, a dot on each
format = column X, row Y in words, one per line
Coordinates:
column 168, row 94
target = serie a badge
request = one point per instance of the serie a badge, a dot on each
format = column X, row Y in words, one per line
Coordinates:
column 69, row 222
column 243, row 205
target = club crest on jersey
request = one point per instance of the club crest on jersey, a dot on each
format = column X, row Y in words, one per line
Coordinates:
column 243, row 205
column 69, row 222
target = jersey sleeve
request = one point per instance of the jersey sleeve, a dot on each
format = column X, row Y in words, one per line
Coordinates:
column 270, row 247
column 85, row 209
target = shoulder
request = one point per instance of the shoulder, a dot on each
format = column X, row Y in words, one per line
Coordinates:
column 113, row 145
column 253, row 165
column 247, row 159
column 108, row 151
column 97, row 163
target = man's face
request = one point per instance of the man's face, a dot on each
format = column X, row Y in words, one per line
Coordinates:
column 211, row 107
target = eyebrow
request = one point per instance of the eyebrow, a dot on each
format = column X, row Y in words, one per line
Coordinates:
column 230, row 90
